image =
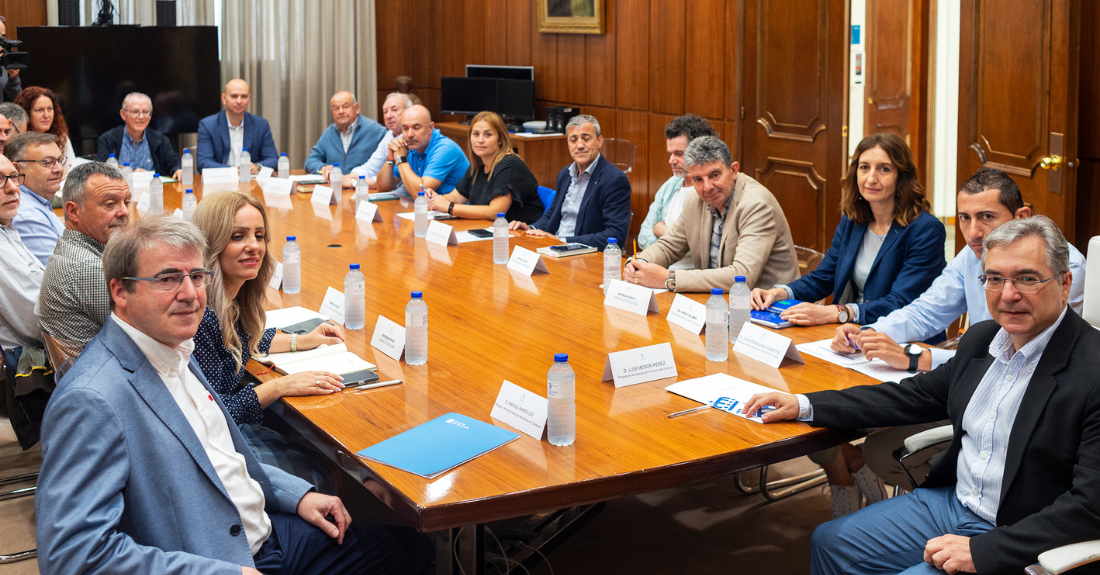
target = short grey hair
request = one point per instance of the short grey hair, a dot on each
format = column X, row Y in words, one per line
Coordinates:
column 76, row 183
column 123, row 252
column 404, row 98
column 13, row 112
column 582, row 119
column 707, row 149
column 17, row 146
column 1038, row 226
column 135, row 96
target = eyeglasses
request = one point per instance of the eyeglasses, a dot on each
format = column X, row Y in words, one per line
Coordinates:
column 169, row 282
column 1025, row 284
column 47, row 163
column 19, row 179
column 139, row 113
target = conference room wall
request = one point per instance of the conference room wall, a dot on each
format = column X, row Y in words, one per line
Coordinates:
column 23, row 13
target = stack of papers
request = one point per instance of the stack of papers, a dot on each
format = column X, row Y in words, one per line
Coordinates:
column 332, row 358
column 721, row 391
column 874, row 368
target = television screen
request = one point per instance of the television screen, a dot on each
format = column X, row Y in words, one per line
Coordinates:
column 92, row 68
column 506, row 72
column 509, row 98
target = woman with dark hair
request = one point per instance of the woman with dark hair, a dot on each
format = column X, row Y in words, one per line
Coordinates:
column 498, row 181
column 887, row 250
column 44, row 116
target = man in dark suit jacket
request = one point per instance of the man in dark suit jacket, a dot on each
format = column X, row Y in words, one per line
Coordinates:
column 141, row 141
column 217, row 134
column 1022, row 474
column 592, row 202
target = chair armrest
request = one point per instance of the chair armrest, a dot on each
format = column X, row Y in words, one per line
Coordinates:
column 1066, row 557
column 928, row 438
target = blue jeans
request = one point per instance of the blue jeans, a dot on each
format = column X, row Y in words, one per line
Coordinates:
column 889, row 536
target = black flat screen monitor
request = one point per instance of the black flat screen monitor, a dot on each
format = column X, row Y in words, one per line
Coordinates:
column 92, row 68
column 506, row 72
column 509, row 98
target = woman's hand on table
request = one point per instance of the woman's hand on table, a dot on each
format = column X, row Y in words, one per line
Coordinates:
column 309, row 383
column 324, row 334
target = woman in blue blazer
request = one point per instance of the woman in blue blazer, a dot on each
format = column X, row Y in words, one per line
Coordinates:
column 885, row 253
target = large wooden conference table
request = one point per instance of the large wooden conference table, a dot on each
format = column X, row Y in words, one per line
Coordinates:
column 488, row 324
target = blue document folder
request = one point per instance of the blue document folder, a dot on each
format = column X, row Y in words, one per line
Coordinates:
column 433, row 448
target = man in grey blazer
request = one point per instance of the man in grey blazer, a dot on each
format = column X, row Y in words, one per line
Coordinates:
column 142, row 471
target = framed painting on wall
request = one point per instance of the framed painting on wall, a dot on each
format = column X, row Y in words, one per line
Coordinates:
column 572, row 16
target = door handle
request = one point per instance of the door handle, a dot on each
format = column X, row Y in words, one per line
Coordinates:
column 1051, row 162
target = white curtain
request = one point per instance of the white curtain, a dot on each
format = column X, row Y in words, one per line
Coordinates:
column 144, row 12
column 295, row 54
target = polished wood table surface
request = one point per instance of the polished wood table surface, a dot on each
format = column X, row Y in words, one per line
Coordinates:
column 488, row 324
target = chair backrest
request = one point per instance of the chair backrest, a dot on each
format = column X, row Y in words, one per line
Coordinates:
column 547, row 196
column 808, row 259
column 1091, row 310
column 619, row 152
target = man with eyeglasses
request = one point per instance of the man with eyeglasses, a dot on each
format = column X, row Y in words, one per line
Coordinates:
column 1022, row 473
column 20, row 275
column 74, row 301
column 135, row 142
column 16, row 115
column 349, row 140
column 41, row 165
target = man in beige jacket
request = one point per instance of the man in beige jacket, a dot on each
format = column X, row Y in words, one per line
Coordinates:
column 733, row 226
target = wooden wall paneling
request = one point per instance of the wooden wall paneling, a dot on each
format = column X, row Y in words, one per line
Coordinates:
column 494, row 39
column 1088, row 144
column 667, row 38
column 573, row 72
column 634, row 126
column 429, row 62
column 453, row 54
column 705, row 50
column 599, row 64
column 23, row 13
column 659, row 170
column 631, row 54
column 518, row 32
column 889, row 68
column 393, row 56
column 836, row 153
column 735, row 52
column 544, row 57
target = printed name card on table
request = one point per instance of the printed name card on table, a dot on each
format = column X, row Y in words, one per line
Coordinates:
column 633, row 298
column 440, row 233
column 142, row 179
column 277, row 277
column 389, row 338
column 765, row 346
column 521, row 409
column 143, row 203
column 333, row 305
column 688, row 314
column 279, row 187
column 264, row 175
column 368, row 212
column 640, row 365
column 220, row 176
column 526, row 262
column 322, row 195
column 178, row 214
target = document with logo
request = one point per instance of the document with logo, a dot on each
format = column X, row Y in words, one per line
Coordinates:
column 438, row 446
column 721, row 391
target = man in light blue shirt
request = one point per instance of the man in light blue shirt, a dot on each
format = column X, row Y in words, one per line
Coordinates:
column 422, row 158
column 392, row 108
column 348, row 141
column 40, row 162
column 667, row 204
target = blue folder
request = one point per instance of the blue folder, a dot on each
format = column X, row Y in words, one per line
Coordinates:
column 434, row 448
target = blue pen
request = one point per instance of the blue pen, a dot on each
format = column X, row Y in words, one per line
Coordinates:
column 850, row 342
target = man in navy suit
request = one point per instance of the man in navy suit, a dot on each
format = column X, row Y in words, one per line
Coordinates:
column 592, row 202
column 142, row 470
column 224, row 135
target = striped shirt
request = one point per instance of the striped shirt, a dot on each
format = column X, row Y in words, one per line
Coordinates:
column 988, row 420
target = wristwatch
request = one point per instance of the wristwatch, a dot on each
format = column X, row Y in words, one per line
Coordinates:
column 670, row 283
column 401, row 159
column 844, row 315
column 451, row 209
column 914, row 352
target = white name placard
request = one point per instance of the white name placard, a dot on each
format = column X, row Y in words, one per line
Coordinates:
column 143, row 203
column 765, row 346
column 279, row 187
column 688, row 314
column 178, row 214
column 640, row 365
column 440, row 233
column 142, row 179
column 522, row 409
column 264, row 175
column 333, row 305
column 368, row 212
column 277, row 277
column 389, row 338
column 526, row 262
column 633, row 298
column 322, row 195
column 220, row 176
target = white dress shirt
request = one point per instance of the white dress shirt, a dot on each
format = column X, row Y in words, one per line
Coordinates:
column 20, row 281
column 209, row 423
column 236, row 144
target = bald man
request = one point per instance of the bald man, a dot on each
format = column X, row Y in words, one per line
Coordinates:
column 224, row 135
column 348, row 141
column 422, row 158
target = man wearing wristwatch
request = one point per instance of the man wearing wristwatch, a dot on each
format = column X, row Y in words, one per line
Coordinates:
column 422, row 158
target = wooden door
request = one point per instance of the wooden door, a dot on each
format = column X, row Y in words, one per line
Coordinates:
column 897, row 72
column 1018, row 93
column 795, row 77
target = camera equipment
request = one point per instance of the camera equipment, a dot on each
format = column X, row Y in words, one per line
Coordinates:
column 13, row 60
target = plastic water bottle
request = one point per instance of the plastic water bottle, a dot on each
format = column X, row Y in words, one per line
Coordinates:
column 362, row 192
column 612, row 264
column 187, row 169
column 284, row 166
column 292, row 266
column 245, row 165
column 112, row 160
column 416, row 330
column 740, row 306
column 336, row 182
column 500, row 240
column 420, row 215
column 355, row 298
column 718, row 343
column 561, row 393
column 156, row 195
column 189, row 203
column 128, row 175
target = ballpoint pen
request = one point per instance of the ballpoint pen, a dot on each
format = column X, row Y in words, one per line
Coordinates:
column 687, row 411
column 374, row 385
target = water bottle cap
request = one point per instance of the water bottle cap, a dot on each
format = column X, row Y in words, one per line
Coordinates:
column 288, row 238
column 362, row 177
column 417, row 294
column 336, row 164
column 419, row 193
column 189, row 191
column 500, row 215
column 561, row 357
column 125, row 163
column 715, row 291
column 110, row 155
column 283, row 154
column 612, row 241
column 245, row 150
column 156, row 175
column 185, row 151
column 354, row 266
column 739, row 279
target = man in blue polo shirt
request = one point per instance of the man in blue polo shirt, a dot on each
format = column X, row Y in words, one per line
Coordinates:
column 422, row 158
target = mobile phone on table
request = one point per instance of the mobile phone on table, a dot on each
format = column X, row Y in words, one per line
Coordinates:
column 480, row 233
column 570, row 247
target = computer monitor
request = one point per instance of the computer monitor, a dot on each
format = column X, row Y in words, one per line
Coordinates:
column 470, row 96
column 505, row 72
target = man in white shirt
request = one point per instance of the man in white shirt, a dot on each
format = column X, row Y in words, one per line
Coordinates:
column 392, row 109
column 20, row 271
column 142, row 470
